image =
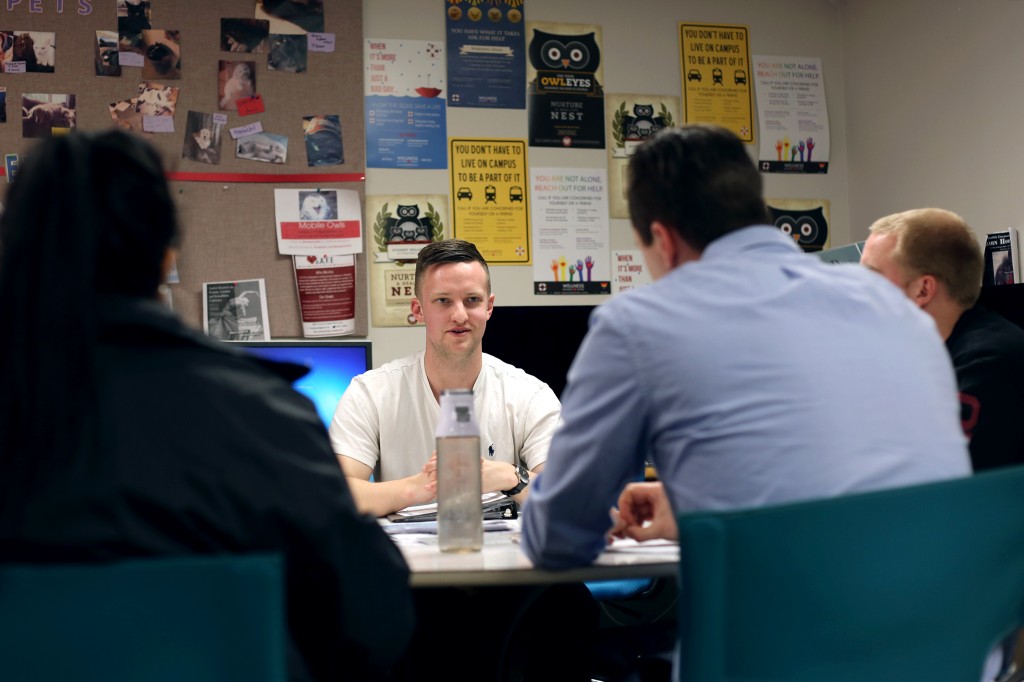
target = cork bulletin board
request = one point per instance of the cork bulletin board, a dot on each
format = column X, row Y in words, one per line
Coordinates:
column 228, row 226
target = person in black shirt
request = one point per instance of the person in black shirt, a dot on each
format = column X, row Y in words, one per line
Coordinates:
column 935, row 258
column 124, row 433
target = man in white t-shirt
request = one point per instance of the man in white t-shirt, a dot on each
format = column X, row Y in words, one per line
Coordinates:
column 386, row 418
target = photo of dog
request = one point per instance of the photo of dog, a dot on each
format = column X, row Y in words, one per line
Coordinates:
column 237, row 80
column 266, row 147
column 44, row 115
column 202, row 138
column 318, row 205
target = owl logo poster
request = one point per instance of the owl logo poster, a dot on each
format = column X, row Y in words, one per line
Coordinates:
column 565, row 93
column 629, row 121
column 804, row 220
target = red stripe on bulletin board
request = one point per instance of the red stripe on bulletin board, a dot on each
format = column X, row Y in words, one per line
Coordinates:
column 279, row 178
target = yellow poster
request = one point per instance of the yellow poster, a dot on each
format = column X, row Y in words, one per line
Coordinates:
column 715, row 64
column 490, row 197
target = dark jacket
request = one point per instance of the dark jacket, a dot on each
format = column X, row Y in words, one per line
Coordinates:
column 204, row 450
column 988, row 354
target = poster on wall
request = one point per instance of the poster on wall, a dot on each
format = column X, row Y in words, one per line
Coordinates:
column 631, row 119
column 490, row 198
column 486, row 55
column 326, row 287
column 236, row 311
column 629, row 271
column 402, row 225
column 792, row 114
column 315, row 221
column 404, row 109
column 805, row 220
column 715, row 67
column 570, row 225
column 564, row 74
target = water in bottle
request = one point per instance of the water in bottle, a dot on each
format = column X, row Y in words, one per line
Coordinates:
column 459, row 512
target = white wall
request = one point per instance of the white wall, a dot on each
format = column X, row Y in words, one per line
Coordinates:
column 935, row 109
column 640, row 55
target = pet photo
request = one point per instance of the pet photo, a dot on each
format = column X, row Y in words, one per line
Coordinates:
column 288, row 53
column 124, row 113
column 244, row 35
column 202, row 138
column 44, row 115
column 161, row 52
column 155, row 99
column 292, row 16
column 265, row 147
column 133, row 17
column 236, row 80
column 323, row 140
column 37, row 50
column 318, row 205
column 107, row 63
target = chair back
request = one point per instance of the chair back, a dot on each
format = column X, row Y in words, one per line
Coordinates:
column 201, row 619
column 917, row 583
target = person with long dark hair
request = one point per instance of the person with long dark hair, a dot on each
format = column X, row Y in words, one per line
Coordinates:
column 125, row 433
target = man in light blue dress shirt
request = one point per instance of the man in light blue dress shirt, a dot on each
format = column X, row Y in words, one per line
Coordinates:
column 748, row 372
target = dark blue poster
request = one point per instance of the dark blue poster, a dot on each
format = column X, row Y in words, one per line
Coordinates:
column 486, row 58
column 404, row 104
column 566, row 98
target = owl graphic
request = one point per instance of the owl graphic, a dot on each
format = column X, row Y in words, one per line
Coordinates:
column 808, row 228
column 564, row 53
column 408, row 226
column 642, row 123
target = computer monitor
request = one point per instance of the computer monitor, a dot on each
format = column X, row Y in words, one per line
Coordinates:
column 332, row 365
column 542, row 340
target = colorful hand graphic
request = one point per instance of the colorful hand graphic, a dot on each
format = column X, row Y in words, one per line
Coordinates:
column 572, row 271
column 810, row 147
column 800, row 146
column 579, row 268
column 590, row 266
column 561, row 266
column 778, row 149
column 554, row 268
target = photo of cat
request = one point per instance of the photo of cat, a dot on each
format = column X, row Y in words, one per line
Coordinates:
column 244, row 35
column 162, row 54
column 292, row 16
column 156, row 100
column 106, row 59
column 37, row 50
column 287, row 53
column 133, row 17
column 237, row 80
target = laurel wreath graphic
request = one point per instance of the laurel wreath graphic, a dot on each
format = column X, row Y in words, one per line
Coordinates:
column 667, row 116
column 380, row 228
column 617, row 133
column 435, row 219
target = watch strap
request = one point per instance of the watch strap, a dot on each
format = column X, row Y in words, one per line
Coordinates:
column 524, row 479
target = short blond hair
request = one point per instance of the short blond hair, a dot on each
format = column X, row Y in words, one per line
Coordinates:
column 937, row 242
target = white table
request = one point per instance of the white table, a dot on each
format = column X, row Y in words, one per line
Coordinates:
column 501, row 562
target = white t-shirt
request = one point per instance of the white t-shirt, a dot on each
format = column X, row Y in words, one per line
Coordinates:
column 392, row 410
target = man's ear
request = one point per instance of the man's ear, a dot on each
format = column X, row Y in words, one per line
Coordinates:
column 662, row 238
column 923, row 289
column 417, row 309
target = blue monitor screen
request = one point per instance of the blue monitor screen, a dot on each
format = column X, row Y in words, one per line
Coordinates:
column 332, row 363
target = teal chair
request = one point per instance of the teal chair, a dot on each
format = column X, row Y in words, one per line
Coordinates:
column 201, row 619
column 915, row 583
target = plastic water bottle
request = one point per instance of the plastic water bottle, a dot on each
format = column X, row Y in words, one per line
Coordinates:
column 460, row 526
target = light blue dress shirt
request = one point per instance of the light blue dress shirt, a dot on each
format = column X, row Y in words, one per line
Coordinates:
column 755, row 375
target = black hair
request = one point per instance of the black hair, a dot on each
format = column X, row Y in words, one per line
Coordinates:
column 448, row 251
column 88, row 216
column 698, row 180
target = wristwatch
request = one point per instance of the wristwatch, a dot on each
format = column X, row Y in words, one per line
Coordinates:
column 524, row 479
